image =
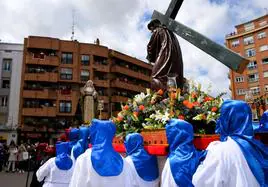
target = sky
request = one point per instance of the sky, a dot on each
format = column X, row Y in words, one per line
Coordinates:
column 122, row 25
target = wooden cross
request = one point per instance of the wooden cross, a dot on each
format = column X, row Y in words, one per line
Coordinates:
column 221, row 53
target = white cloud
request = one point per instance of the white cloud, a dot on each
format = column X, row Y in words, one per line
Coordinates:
column 118, row 25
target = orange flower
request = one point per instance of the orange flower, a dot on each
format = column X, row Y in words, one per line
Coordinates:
column 204, row 117
column 181, row 117
column 136, row 114
column 185, row 102
column 214, row 109
column 126, row 107
column 194, row 95
column 196, row 103
column 160, row 92
column 173, row 95
column 119, row 118
column 141, row 107
column 190, row 105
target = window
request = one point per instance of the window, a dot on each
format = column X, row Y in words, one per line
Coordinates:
column 84, row 75
column 249, row 26
column 7, row 64
column 39, row 55
column 239, row 79
column 255, row 90
column 67, row 58
column 263, row 23
column 264, row 48
column 253, row 77
column 65, row 106
column 235, row 43
column 4, row 101
column 265, row 61
column 85, row 60
column 6, row 84
column 249, row 40
column 66, row 74
column 240, row 92
column 261, row 35
column 265, row 74
column 250, row 52
column 252, row 65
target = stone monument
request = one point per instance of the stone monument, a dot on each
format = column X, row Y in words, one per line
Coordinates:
column 89, row 97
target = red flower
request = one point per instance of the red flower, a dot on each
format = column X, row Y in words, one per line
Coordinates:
column 181, row 117
column 160, row 92
column 194, row 95
column 141, row 107
column 126, row 107
column 208, row 99
column 196, row 103
column 214, row 109
column 188, row 104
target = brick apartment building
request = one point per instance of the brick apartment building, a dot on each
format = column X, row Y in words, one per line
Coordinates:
column 54, row 71
column 250, row 40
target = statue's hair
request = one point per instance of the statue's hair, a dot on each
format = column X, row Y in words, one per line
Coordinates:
column 154, row 23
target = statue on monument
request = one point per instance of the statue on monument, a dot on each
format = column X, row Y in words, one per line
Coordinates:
column 89, row 90
column 163, row 50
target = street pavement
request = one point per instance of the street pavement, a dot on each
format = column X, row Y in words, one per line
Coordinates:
column 14, row 179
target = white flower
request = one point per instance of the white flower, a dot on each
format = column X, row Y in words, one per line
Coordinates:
column 158, row 116
column 140, row 97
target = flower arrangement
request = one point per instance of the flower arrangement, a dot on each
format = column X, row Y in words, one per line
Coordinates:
column 152, row 110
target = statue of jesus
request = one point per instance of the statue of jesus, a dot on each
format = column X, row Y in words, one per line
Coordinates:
column 163, row 50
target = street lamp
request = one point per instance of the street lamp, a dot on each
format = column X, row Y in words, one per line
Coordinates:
column 100, row 107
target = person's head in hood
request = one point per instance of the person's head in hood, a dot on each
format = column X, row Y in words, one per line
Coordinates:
column 63, row 160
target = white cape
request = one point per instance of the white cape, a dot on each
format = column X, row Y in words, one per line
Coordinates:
column 54, row 177
column 85, row 176
column 167, row 179
column 138, row 181
column 224, row 166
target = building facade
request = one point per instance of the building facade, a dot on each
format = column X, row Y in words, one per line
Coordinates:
column 10, row 79
column 251, row 41
column 54, row 71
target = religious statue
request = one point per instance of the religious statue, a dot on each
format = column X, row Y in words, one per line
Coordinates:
column 163, row 50
column 89, row 100
column 89, row 90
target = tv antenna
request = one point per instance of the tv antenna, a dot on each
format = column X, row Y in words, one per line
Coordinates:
column 73, row 25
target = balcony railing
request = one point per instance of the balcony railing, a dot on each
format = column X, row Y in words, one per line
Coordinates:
column 104, row 98
column 119, row 99
column 129, row 72
column 48, row 60
column 40, row 112
column 45, row 77
column 40, row 94
column 101, row 83
column 100, row 67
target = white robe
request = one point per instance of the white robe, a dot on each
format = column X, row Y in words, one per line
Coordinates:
column 224, row 166
column 167, row 179
column 54, row 177
column 138, row 181
column 85, row 175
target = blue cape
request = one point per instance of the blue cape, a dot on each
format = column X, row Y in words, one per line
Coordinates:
column 73, row 137
column 236, row 122
column 183, row 157
column 81, row 146
column 63, row 160
column 105, row 161
column 145, row 164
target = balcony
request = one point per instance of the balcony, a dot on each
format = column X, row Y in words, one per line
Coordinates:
column 42, row 77
column 129, row 72
column 127, row 86
column 101, row 83
column 119, row 99
column 3, row 110
column 102, row 68
column 6, row 74
column 48, row 60
column 68, row 95
column 40, row 112
column 43, row 43
column 40, row 94
column 104, row 98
